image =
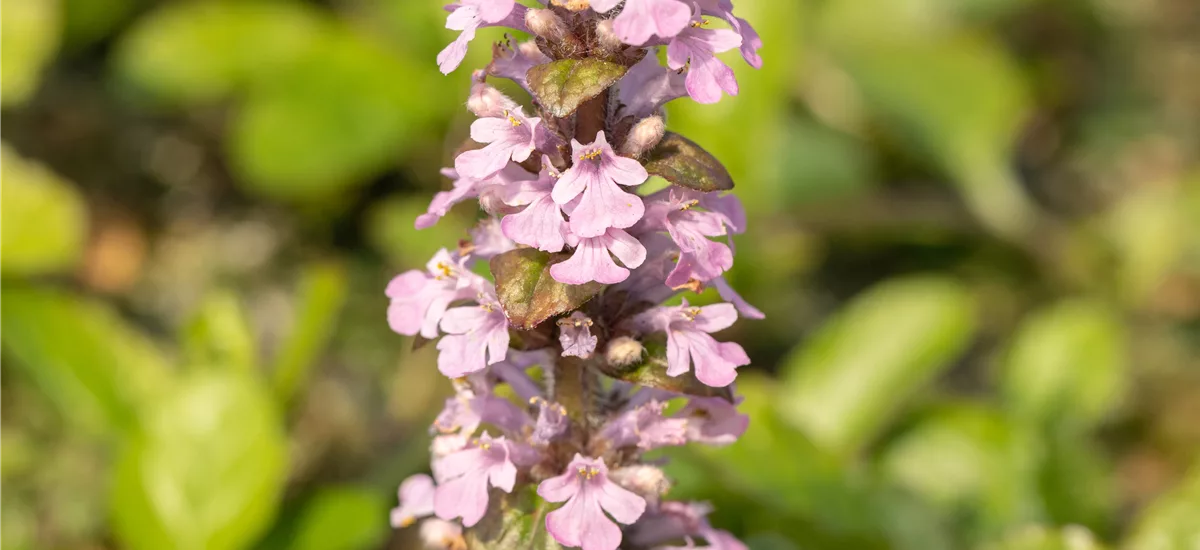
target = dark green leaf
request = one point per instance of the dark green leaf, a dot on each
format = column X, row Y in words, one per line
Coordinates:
column 529, row 294
column 562, row 86
column 680, row 161
column 652, row 373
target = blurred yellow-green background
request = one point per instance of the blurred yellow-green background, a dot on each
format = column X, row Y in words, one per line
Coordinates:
column 975, row 232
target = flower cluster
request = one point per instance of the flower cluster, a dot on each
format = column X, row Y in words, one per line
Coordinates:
column 581, row 259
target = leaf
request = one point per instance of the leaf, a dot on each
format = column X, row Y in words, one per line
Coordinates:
column 220, row 335
column 43, row 220
column 342, row 518
column 1067, row 363
column 652, row 373
column 562, row 86
column 93, row 365
column 1037, row 537
column 28, row 41
column 1170, row 521
column 208, row 469
column 321, row 294
column 529, row 294
column 681, row 162
column 843, row 385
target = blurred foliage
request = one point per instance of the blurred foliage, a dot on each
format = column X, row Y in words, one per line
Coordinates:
column 975, row 233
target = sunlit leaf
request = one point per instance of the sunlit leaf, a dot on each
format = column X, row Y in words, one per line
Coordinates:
column 562, row 86
column 1067, row 362
column 208, row 469
column 28, row 39
column 342, row 518
column 680, row 161
column 96, row 368
column 319, row 299
column 842, row 386
column 1170, row 522
column 220, row 335
column 43, row 222
column 529, row 294
column 1043, row 538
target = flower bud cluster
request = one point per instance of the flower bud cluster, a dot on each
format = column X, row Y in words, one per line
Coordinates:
column 562, row 179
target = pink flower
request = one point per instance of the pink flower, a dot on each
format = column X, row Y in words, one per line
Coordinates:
column 540, row 224
column 514, row 63
column 596, row 174
column 642, row 19
column 682, row 520
column 713, row 421
column 472, row 15
column 751, row 42
column 510, row 137
column 589, row 494
column 488, row 240
column 647, row 86
column 466, row 475
column 688, row 341
column 700, row 259
column 575, row 335
column 592, row 260
column 728, row 293
column 707, row 76
column 466, row 188
column 420, row 298
column 646, row 428
column 477, row 336
column 552, row 421
column 416, row 501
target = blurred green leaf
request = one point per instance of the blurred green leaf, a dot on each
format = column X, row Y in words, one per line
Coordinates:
column 219, row 334
column 320, row 296
column 1076, row 482
column 1067, row 363
column 1042, row 538
column 332, row 119
column 342, row 518
column 968, row 457
column 28, row 39
column 203, row 51
column 1170, row 522
column 823, row 164
column 391, row 231
column 956, row 94
column 207, row 471
column 43, row 222
column 96, row 368
column 844, row 384
column 1149, row 229
column 86, row 21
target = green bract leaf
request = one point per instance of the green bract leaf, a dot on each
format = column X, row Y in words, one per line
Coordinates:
column 680, row 161
column 207, row 470
column 529, row 294
column 652, row 373
column 843, row 385
column 44, row 221
column 562, row 86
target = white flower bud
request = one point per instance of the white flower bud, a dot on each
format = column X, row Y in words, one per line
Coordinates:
column 623, row 351
column 439, row 534
column 486, row 101
column 608, row 37
column 545, row 24
column 647, row 481
column 644, row 136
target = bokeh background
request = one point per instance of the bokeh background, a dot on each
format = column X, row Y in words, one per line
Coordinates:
column 975, row 232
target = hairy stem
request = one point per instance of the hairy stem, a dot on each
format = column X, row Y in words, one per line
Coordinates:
column 590, row 118
column 573, row 390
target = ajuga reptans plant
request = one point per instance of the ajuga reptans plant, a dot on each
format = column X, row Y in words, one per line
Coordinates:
column 582, row 263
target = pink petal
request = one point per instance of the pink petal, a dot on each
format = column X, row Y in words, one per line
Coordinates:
column 566, row 524
column 461, row 320
column 558, row 489
column 629, row 250
column 604, row 205
column 591, row 262
column 714, row 318
column 624, row 506
column 466, row 496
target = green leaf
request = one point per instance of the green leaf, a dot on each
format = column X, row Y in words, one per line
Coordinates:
column 1170, row 522
column 342, row 518
column 43, row 220
column 203, row 51
column 96, row 368
column 843, row 386
column 208, row 469
column 680, row 161
column 651, row 372
column 527, row 292
column 562, row 86
column 1037, row 537
column 321, row 294
column 28, row 39
column 1067, row 363
column 220, row 335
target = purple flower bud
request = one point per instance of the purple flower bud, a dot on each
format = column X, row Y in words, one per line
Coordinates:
column 644, row 136
column 486, row 101
column 552, row 421
column 589, row 494
column 545, row 24
column 623, row 351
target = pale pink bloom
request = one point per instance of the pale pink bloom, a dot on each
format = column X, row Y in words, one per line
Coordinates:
column 642, row 19
column 514, row 63
column 597, row 174
column 420, row 298
column 472, row 15
column 575, row 335
column 696, row 48
column 488, row 240
column 592, row 260
column 416, row 501
column 477, row 336
column 713, row 421
column 540, row 224
column 688, row 341
column 647, row 86
column 510, row 137
column 589, row 494
column 646, row 428
column 466, row 475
